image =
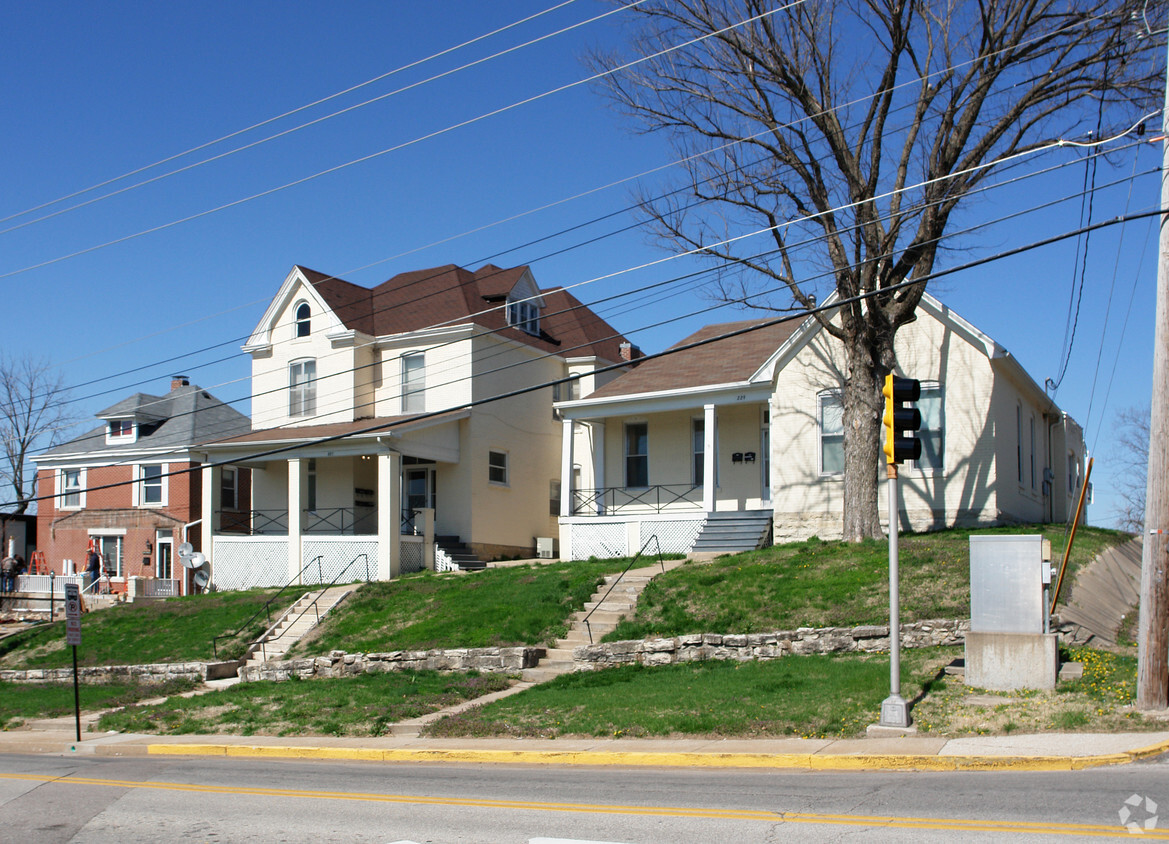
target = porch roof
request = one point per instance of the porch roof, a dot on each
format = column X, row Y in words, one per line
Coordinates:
column 368, row 428
column 733, row 360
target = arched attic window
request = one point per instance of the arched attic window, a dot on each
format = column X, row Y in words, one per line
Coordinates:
column 303, row 319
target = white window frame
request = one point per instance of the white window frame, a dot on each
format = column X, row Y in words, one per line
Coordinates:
column 144, row 483
column 414, row 382
column 1033, row 482
column 920, row 465
column 226, row 473
column 127, row 438
column 302, row 323
column 118, row 536
column 698, row 447
column 302, row 387
column 496, row 466
column 523, row 314
column 65, row 491
column 824, row 398
column 627, row 455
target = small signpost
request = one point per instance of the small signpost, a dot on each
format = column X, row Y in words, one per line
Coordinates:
column 73, row 638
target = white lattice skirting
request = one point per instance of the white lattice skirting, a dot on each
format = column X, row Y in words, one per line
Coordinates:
column 247, row 562
column 604, row 538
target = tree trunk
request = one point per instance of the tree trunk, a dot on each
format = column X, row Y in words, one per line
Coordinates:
column 863, row 405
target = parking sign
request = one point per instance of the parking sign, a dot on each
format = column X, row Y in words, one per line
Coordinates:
column 72, row 614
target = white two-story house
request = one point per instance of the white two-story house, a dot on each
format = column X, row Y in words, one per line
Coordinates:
column 421, row 405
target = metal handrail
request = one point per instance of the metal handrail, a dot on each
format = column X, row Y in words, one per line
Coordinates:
column 266, row 609
column 263, row 640
column 613, row 585
column 656, row 498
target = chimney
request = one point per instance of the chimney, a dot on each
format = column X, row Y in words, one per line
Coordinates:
column 177, row 381
column 630, row 352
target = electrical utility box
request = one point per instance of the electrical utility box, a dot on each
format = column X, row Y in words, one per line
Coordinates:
column 1008, row 647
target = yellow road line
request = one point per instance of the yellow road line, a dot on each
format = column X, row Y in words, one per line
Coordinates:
column 772, row 817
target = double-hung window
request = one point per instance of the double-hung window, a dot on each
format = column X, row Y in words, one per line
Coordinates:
column 414, row 382
column 70, row 488
column 497, row 467
column 931, row 432
column 153, row 491
column 698, row 446
column 831, row 434
column 304, row 315
column 636, row 455
column 228, row 489
column 302, row 388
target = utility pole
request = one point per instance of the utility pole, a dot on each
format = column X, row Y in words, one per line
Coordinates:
column 1153, row 653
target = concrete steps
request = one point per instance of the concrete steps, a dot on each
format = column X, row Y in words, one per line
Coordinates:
column 608, row 605
column 302, row 617
column 734, row 531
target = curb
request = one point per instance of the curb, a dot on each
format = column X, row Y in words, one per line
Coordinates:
column 792, row 761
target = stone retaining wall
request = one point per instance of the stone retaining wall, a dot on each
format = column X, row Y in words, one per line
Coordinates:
column 806, row 640
column 341, row 664
column 157, row 673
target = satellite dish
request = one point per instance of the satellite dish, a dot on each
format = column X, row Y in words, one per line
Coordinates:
column 202, row 578
column 195, row 561
column 186, row 549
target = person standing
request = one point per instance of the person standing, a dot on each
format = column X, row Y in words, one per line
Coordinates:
column 8, row 574
column 92, row 569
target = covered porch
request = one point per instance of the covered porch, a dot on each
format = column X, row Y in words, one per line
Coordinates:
column 330, row 502
column 664, row 468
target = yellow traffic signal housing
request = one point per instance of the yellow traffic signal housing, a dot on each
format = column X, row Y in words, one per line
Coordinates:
column 901, row 421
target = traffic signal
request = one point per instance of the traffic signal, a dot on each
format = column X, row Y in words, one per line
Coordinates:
column 901, row 421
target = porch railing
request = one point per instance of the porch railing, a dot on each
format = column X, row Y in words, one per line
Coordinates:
column 336, row 521
column 612, row 499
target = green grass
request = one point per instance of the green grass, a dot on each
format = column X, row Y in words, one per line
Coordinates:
column 22, row 701
column 823, row 584
column 516, row 605
column 174, row 630
column 816, row 695
column 364, row 705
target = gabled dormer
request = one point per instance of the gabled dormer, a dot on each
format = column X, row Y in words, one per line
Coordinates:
column 525, row 305
column 308, row 305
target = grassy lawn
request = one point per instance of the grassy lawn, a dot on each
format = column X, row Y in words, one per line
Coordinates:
column 22, row 701
column 824, row 584
column 822, row 696
column 516, row 605
column 174, row 630
column 364, row 705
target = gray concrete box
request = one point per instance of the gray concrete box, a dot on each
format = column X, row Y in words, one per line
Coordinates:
column 1007, row 661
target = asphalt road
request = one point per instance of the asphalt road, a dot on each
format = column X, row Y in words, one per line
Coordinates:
column 143, row 799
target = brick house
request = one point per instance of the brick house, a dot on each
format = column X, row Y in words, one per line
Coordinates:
column 128, row 487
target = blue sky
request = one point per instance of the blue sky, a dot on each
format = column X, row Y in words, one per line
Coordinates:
column 93, row 91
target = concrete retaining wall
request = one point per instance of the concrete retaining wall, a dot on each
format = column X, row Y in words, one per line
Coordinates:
column 806, row 640
column 341, row 664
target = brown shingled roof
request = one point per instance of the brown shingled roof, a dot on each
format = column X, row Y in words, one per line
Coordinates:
column 728, row 361
column 451, row 295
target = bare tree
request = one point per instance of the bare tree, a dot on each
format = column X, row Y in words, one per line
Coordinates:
column 33, row 413
column 1132, row 463
column 848, row 133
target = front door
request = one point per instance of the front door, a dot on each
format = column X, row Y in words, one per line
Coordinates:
column 164, row 559
column 419, row 490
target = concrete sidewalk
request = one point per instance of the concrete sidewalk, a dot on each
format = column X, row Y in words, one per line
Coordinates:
column 1040, row 752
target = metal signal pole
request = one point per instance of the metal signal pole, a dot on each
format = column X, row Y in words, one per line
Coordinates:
column 1153, row 655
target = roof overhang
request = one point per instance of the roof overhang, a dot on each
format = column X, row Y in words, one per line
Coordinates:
column 666, row 400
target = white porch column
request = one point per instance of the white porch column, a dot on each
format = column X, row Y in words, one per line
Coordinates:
column 389, row 515
column 566, row 444
column 427, row 514
column 709, row 482
column 207, row 526
column 599, row 465
column 295, row 562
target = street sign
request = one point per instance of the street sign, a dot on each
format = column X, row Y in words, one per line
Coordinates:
column 72, row 614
